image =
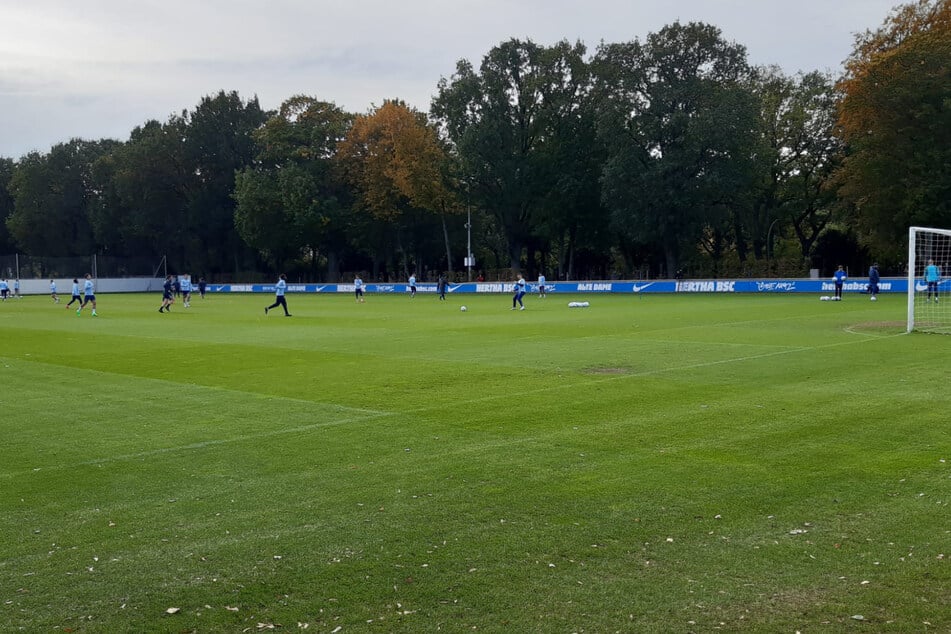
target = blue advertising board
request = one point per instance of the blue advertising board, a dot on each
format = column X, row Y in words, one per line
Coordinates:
column 822, row 287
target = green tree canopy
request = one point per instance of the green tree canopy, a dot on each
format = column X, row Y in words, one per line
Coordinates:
column 500, row 121
column 291, row 202
column 679, row 126
column 51, row 195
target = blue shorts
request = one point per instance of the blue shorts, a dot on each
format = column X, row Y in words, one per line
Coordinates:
column 89, row 298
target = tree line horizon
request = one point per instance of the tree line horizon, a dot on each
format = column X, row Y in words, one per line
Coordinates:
column 663, row 155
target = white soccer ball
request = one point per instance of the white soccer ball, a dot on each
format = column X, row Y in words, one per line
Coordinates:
column 463, row 308
column 873, row 298
column 824, row 298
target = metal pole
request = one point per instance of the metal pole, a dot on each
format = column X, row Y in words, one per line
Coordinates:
column 469, row 239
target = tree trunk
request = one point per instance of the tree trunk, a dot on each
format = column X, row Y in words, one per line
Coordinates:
column 670, row 256
column 445, row 233
column 515, row 255
column 333, row 275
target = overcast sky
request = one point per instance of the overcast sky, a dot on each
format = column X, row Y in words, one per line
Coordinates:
column 98, row 68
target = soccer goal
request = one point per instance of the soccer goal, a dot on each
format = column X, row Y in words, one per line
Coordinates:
column 929, row 302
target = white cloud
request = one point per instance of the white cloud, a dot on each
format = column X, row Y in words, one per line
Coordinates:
column 98, row 68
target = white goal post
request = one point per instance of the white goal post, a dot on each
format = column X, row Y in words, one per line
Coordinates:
column 929, row 264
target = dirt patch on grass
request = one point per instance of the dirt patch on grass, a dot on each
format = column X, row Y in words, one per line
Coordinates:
column 606, row 370
column 880, row 327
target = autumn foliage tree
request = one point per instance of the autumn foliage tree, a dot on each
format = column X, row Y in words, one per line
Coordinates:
column 895, row 116
column 399, row 171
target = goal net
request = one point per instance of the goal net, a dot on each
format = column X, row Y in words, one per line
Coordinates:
column 929, row 299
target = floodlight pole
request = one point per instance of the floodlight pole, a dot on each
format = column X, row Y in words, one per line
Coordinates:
column 468, row 229
column 469, row 239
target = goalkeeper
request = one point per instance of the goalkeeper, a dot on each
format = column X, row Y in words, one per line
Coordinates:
column 932, row 277
column 839, row 279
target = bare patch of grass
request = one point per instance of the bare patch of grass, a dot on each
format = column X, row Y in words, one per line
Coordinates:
column 608, row 371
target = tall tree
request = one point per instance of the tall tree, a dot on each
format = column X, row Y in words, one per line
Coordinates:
column 147, row 191
column 796, row 155
column 679, row 126
column 218, row 143
column 51, row 192
column 895, row 116
column 399, row 169
column 500, row 120
column 7, row 167
column 291, row 203
column 573, row 222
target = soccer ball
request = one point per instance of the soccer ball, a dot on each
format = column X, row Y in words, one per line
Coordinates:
column 873, row 298
column 463, row 308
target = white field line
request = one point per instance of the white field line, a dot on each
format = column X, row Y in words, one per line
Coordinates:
column 217, row 388
column 201, row 445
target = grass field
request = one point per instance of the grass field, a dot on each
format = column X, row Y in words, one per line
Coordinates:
column 649, row 464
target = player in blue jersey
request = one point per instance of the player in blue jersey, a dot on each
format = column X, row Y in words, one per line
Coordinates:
column 16, row 288
column 873, row 279
column 279, row 289
column 932, row 277
column 186, row 283
column 542, row 293
column 518, row 292
column 76, row 295
column 89, row 295
column 839, row 279
column 358, row 289
column 442, row 285
column 53, row 292
column 4, row 290
column 412, row 285
column 167, row 297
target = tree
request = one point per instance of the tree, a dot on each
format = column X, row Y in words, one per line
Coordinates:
column 679, row 126
column 51, row 194
column 400, row 173
column 168, row 190
column 217, row 144
column 145, row 185
column 500, row 121
column 573, row 223
column 795, row 157
column 291, row 202
column 7, row 167
column 895, row 117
